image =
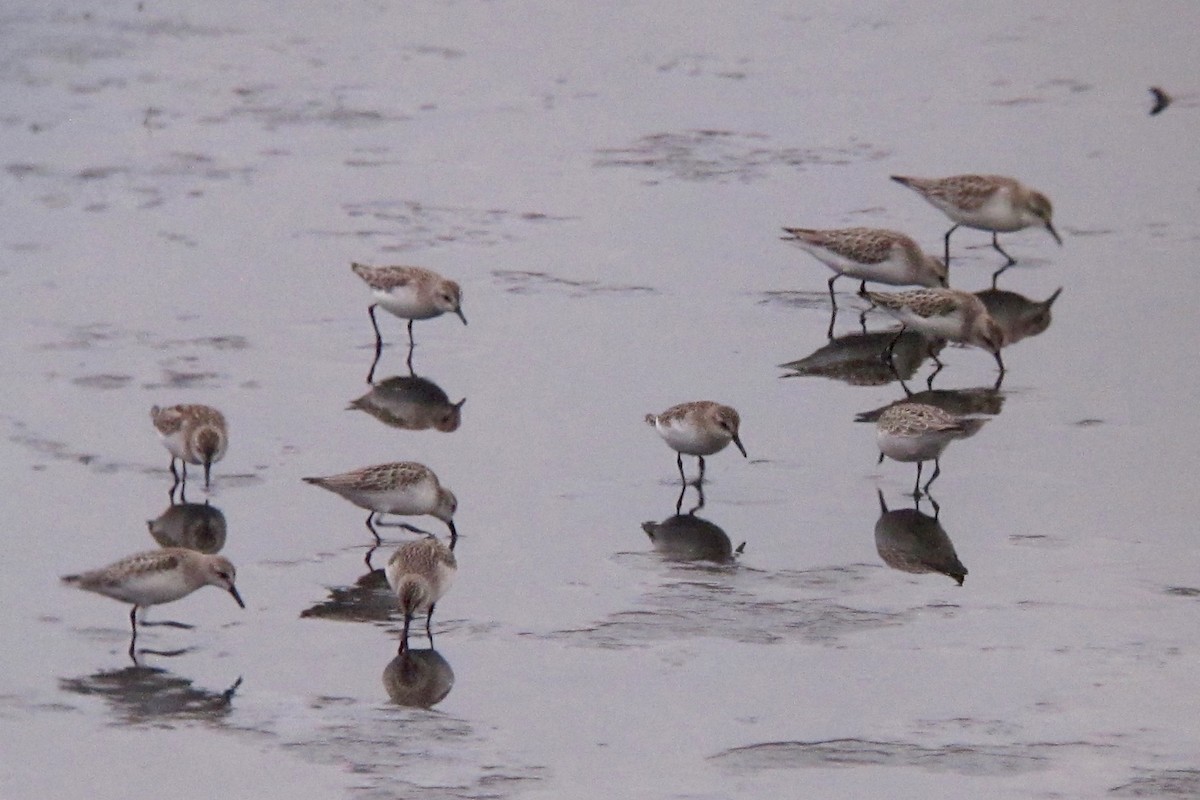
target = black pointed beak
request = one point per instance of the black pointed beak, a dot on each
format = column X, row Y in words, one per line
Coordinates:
column 463, row 316
column 1054, row 233
column 233, row 591
column 453, row 534
column 207, row 470
column 738, row 442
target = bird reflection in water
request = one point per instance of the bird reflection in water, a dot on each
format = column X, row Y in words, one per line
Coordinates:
column 1017, row 315
column 983, row 400
column 369, row 599
column 411, row 403
column 860, row 359
column 686, row 537
column 140, row 694
column 910, row 540
column 195, row 526
column 418, row 678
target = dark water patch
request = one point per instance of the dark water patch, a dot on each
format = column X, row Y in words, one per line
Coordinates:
column 712, row 606
column 396, row 752
column 527, row 282
column 790, row 299
column 329, row 111
column 1182, row 591
column 102, row 381
column 994, row 761
column 412, row 225
column 962, row 759
column 705, row 65
column 1163, row 783
column 725, row 156
column 1088, row 422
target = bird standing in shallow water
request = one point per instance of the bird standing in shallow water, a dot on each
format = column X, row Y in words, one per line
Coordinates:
column 410, row 293
column 916, row 432
column 699, row 428
column 157, row 576
column 985, row 202
column 419, row 573
column 402, row 487
column 869, row 254
column 194, row 434
column 945, row 314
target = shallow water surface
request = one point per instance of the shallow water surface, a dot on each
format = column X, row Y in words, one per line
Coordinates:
column 186, row 188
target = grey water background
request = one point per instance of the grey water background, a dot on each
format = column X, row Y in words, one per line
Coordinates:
column 185, row 187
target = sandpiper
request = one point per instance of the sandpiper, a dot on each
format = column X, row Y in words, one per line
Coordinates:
column 985, row 202
column 946, row 314
column 194, row 434
column 157, row 576
column 403, row 487
column 410, row 293
column 699, row 428
column 869, row 254
column 916, row 432
column 419, row 573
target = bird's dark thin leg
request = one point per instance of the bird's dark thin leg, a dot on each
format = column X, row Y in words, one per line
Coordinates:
column 937, row 470
column 917, row 486
column 999, row 361
column 679, row 463
column 429, row 624
column 371, row 528
column 700, row 480
column 378, row 343
column 932, row 375
column 404, row 634
column 877, row 463
column 832, row 320
column 952, row 230
column 832, row 299
column 1000, row 250
column 862, row 320
column 699, row 498
column 367, row 557
column 133, row 634
column 679, row 500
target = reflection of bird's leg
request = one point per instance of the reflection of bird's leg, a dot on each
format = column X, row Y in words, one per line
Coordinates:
column 428, row 625
column 371, row 528
column 367, row 558
column 952, row 230
column 832, row 320
column 679, row 500
column 378, row 343
column 937, row 470
column 862, row 320
column 891, row 348
column 700, row 480
column 1007, row 257
column 700, row 498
